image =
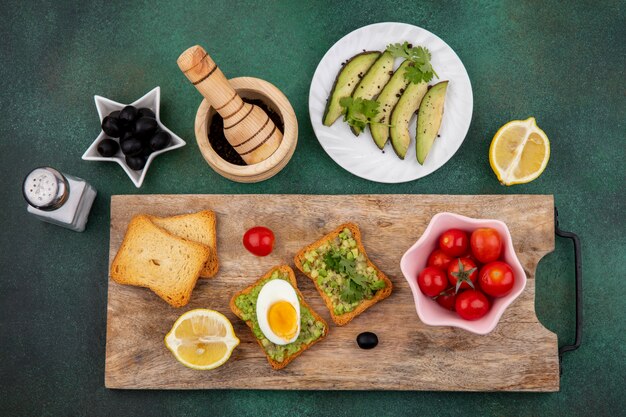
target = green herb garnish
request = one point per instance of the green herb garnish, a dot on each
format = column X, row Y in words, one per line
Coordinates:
column 359, row 112
column 420, row 68
column 352, row 292
column 356, row 284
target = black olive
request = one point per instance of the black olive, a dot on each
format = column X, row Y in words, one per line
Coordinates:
column 127, row 127
column 367, row 340
column 126, row 135
column 146, row 112
column 115, row 114
column 136, row 163
column 160, row 140
column 108, row 147
column 145, row 126
column 111, row 126
column 131, row 146
column 128, row 114
column 146, row 151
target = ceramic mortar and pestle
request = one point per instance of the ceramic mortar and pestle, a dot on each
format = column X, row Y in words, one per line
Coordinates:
column 247, row 127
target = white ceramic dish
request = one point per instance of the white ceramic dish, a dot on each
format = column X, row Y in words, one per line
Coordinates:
column 359, row 155
column 151, row 100
column 414, row 260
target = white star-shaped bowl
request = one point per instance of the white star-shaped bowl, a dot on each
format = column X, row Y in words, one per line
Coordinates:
column 151, row 100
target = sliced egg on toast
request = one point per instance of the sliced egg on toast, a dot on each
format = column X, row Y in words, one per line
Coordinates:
column 278, row 312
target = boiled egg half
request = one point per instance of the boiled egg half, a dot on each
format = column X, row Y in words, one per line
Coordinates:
column 278, row 312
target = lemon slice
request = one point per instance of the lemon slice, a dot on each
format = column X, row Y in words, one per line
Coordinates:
column 519, row 152
column 202, row 339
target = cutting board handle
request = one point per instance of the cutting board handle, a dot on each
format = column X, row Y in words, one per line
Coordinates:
column 579, row 288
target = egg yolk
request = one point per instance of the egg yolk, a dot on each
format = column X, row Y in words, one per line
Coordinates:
column 283, row 320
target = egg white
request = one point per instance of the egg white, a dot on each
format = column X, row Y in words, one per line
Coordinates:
column 272, row 292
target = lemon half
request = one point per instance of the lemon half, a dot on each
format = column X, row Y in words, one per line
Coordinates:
column 202, row 339
column 519, row 152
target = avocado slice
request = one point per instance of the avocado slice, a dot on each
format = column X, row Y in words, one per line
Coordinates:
column 429, row 118
column 345, row 83
column 401, row 115
column 374, row 80
column 388, row 98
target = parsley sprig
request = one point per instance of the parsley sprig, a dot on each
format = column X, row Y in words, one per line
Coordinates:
column 420, row 68
column 359, row 112
column 356, row 284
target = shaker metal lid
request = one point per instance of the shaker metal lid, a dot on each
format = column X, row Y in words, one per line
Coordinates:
column 45, row 188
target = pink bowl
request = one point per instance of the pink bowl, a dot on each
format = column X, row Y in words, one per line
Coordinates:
column 414, row 260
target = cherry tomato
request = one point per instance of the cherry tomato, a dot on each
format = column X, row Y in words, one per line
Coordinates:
column 432, row 281
column 471, row 305
column 259, row 241
column 439, row 259
column 486, row 244
column 446, row 299
column 454, row 242
column 462, row 273
column 496, row 279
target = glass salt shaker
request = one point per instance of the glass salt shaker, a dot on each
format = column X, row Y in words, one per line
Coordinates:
column 57, row 198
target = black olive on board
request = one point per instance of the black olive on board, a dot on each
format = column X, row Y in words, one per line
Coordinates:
column 160, row 140
column 131, row 146
column 367, row 340
column 111, row 126
column 136, row 163
column 108, row 147
column 145, row 127
column 128, row 114
column 146, row 112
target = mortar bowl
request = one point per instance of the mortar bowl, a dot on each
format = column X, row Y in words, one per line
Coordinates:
column 250, row 88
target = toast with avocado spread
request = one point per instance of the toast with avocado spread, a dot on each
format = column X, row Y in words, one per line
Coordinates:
column 313, row 328
column 344, row 276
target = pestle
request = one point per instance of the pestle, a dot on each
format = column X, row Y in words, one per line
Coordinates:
column 246, row 127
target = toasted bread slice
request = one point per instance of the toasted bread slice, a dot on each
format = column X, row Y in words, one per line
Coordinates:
column 198, row 227
column 153, row 258
column 292, row 280
column 383, row 293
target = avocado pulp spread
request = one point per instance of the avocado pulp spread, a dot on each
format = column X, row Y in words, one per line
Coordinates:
column 342, row 272
column 310, row 328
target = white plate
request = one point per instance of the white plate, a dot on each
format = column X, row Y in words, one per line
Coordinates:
column 360, row 155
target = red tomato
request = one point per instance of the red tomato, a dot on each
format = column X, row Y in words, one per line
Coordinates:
column 471, row 305
column 432, row 281
column 496, row 279
column 439, row 259
column 259, row 241
column 446, row 299
column 454, row 242
column 462, row 273
column 486, row 244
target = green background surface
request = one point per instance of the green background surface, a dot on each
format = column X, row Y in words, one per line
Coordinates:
column 561, row 62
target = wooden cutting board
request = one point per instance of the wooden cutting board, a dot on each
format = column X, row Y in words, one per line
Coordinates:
column 519, row 355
